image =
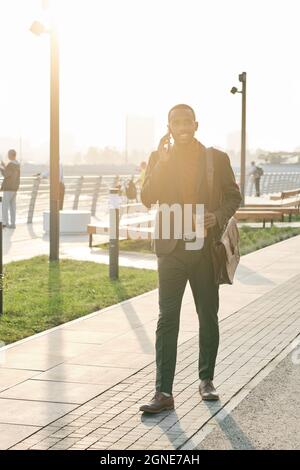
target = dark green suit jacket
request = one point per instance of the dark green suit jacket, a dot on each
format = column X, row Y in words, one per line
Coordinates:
column 162, row 185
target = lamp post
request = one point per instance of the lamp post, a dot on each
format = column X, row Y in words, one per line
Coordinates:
column 1, row 261
column 243, row 80
column 114, row 216
column 126, row 139
column 38, row 28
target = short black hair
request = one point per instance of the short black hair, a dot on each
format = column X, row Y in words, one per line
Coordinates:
column 12, row 153
column 181, row 106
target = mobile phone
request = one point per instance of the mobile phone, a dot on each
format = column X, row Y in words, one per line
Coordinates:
column 169, row 141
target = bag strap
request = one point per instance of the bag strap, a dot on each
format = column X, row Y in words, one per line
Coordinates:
column 209, row 174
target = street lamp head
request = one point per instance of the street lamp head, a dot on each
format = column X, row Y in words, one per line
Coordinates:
column 37, row 28
column 234, row 90
column 242, row 77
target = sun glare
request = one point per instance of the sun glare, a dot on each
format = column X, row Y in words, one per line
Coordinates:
column 140, row 57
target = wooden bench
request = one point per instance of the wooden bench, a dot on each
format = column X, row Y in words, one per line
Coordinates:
column 293, row 193
column 262, row 215
column 284, row 210
column 140, row 224
column 289, row 204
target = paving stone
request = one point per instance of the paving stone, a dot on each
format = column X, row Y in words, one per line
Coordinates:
column 11, row 434
column 32, row 413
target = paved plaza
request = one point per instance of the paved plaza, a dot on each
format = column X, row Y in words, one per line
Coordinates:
column 80, row 385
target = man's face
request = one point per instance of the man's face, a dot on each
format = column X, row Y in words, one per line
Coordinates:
column 182, row 125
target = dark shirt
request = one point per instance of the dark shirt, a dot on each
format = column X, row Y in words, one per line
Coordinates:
column 188, row 163
column 187, row 160
column 161, row 185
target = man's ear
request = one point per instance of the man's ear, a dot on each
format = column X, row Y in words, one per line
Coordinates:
column 196, row 126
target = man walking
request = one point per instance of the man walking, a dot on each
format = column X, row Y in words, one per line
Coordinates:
column 10, row 186
column 177, row 174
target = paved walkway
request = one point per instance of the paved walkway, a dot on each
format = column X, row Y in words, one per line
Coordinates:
column 80, row 385
column 29, row 240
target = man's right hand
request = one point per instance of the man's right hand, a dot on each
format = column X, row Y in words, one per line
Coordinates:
column 164, row 155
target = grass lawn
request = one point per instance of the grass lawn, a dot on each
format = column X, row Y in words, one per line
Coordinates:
column 252, row 239
column 38, row 296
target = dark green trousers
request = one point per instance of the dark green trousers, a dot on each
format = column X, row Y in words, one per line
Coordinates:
column 174, row 270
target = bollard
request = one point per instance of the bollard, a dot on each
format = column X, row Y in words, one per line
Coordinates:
column 1, row 261
column 114, row 214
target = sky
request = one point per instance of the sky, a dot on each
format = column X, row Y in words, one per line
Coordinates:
column 141, row 57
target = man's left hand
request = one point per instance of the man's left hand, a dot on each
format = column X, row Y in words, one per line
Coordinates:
column 210, row 220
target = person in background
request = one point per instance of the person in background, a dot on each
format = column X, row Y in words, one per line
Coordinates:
column 10, row 186
column 46, row 174
column 118, row 184
column 131, row 190
column 256, row 173
column 143, row 167
column 141, row 178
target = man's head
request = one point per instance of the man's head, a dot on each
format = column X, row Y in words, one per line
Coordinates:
column 143, row 165
column 182, row 123
column 12, row 154
column 252, row 163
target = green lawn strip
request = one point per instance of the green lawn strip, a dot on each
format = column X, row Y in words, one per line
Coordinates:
column 252, row 239
column 142, row 246
column 39, row 295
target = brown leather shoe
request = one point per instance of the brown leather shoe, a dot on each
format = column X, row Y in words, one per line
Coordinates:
column 158, row 403
column 207, row 390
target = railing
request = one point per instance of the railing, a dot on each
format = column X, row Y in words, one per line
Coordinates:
column 81, row 192
column 273, row 182
column 91, row 192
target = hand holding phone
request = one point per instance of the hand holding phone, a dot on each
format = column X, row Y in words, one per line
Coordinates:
column 164, row 148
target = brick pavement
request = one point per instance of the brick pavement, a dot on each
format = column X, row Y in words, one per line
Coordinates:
column 250, row 339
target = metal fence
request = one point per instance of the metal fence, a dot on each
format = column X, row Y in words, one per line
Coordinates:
column 81, row 192
column 273, row 182
column 91, row 192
